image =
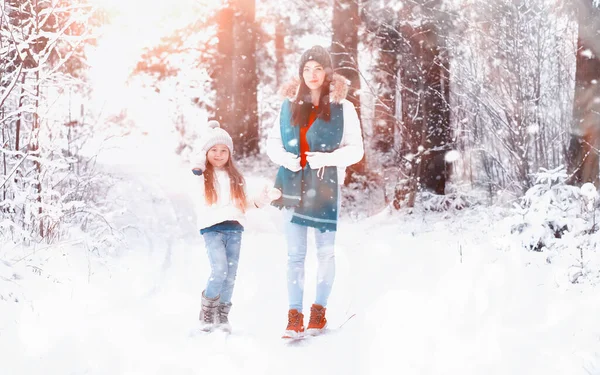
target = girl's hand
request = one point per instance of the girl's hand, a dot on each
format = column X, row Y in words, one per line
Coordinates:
column 274, row 194
column 267, row 196
column 199, row 164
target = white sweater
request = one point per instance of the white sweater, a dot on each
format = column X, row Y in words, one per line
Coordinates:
column 351, row 148
column 224, row 209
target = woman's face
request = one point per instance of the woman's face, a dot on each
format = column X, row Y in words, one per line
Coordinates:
column 313, row 74
column 218, row 155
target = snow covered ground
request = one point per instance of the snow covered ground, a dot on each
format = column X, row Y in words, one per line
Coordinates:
column 433, row 293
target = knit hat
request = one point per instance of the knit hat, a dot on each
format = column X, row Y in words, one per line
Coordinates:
column 215, row 135
column 318, row 54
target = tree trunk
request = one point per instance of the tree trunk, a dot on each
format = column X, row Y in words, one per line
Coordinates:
column 411, row 124
column 4, row 161
column 223, row 72
column 385, row 120
column 34, row 149
column 583, row 154
column 20, row 116
column 437, row 117
column 344, row 53
column 425, row 125
column 279, row 53
column 245, row 129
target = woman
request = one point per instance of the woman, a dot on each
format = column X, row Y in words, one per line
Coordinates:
column 316, row 137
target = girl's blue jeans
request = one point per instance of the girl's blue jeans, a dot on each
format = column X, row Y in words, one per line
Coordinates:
column 223, row 250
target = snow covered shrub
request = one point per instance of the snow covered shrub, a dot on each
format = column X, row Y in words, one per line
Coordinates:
column 63, row 193
column 551, row 210
column 450, row 201
column 363, row 196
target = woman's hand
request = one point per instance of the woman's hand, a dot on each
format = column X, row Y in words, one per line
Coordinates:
column 292, row 162
column 318, row 160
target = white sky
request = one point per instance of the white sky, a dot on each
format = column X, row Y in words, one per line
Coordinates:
column 135, row 25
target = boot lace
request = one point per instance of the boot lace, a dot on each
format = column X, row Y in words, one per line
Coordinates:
column 316, row 315
column 209, row 316
column 293, row 319
column 222, row 315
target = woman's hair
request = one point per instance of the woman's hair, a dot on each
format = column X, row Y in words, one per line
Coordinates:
column 236, row 185
column 302, row 105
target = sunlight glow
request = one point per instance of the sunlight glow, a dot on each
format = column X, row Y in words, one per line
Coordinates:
column 142, row 12
column 132, row 26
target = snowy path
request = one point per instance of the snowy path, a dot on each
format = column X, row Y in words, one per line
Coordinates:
column 432, row 296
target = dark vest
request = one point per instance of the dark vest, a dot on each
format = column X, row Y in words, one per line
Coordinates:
column 312, row 193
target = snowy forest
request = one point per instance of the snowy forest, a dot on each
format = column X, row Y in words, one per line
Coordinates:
column 473, row 211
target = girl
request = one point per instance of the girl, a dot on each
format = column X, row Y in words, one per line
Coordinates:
column 220, row 210
column 316, row 136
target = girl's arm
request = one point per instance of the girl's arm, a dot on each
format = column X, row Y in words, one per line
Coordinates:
column 262, row 198
column 198, row 163
column 195, row 191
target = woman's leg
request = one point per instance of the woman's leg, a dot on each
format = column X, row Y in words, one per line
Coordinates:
column 325, row 242
column 296, row 243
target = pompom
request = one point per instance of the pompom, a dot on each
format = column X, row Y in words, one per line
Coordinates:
column 213, row 124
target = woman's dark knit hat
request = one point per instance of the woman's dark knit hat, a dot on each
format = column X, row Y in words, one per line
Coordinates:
column 318, row 54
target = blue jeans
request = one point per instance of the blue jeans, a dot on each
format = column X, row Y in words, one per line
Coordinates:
column 296, row 236
column 223, row 250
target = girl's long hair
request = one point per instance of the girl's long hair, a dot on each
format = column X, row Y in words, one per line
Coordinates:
column 236, row 185
column 302, row 105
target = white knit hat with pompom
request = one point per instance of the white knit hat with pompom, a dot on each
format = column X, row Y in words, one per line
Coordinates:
column 215, row 135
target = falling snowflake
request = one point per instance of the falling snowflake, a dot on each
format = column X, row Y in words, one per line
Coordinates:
column 452, row 156
column 587, row 53
column 589, row 190
column 533, row 129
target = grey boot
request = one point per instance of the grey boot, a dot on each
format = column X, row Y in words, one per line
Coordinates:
column 208, row 314
column 223, row 317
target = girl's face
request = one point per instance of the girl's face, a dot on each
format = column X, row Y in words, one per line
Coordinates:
column 313, row 74
column 218, row 155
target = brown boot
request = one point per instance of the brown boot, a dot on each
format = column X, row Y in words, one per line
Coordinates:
column 295, row 327
column 317, row 322
column 223, row 317
column 208, row 313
